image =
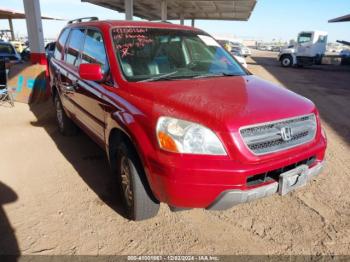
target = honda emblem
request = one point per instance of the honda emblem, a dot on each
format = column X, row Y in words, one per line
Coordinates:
column 286, row 133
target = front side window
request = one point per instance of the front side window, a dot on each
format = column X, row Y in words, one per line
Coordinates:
column 147, row 54
column 60, row 44
column 304, row 38
column 94, row 51
column 74, row 46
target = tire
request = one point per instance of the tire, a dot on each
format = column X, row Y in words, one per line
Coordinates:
column 318, row 60
column 138, row 199
column 65, row 124
column 286, row 61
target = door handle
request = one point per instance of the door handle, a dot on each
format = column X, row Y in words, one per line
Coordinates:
column 68, row 88
column 75, row 84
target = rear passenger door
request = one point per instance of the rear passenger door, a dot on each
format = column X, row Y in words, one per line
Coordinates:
column 56, row 63
column 89, row 94
column 69, row 71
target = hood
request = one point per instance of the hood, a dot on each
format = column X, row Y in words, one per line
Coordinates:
column 288, row 50
column 223, row 103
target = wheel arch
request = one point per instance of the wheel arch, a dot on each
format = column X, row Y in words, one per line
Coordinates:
column 119, row 135
column 291, row 55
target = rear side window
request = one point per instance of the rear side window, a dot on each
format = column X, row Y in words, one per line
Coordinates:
column 60, row 44
column 74, row 46
column 94, row 50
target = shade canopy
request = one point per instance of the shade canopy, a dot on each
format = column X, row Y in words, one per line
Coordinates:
column 13, row 14
column 187, row 9
column 345, row 18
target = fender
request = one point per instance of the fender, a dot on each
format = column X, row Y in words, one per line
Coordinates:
column 294, row 58
column 126, row 123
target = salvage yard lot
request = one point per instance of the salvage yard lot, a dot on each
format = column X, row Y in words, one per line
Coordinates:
column 57, row 195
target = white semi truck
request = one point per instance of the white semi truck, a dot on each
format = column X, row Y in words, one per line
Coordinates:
column 309, row 50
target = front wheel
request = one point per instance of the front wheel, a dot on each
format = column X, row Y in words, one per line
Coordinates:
column 137, row 196
column 286, row 61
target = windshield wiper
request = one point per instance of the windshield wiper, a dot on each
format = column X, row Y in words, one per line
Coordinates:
column 161, row 77
column 215, row 75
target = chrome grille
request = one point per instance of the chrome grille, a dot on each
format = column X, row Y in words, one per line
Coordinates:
column 271, row 137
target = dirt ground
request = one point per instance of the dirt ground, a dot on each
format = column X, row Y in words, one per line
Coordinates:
column 57, row 195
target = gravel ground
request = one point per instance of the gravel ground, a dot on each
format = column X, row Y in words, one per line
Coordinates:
column 57, row 195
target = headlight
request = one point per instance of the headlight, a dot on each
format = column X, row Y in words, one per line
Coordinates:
column 185, row 137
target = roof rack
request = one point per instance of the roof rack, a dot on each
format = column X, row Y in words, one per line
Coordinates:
column 83, row 19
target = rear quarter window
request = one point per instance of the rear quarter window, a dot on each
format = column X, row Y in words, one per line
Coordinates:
column 60, row 44
column 74, row 46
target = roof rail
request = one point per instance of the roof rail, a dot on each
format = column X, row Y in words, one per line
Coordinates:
column 79, row 20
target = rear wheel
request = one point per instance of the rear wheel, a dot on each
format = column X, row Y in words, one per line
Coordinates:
column 137, row 197
column 65, row 124
column 287, row 61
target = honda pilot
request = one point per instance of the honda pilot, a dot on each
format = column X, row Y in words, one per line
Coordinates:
column 181, row 121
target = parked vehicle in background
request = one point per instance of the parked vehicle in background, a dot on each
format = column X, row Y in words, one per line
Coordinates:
column 8, row 52
column 241, row 60
column 181, row 121
column 25, row 55
column 244, row 50
column 268, row 48
column 18, row 45
column 345, row 53
column 345, row 56
column 239, row 47
column 309, row 50
column 276, row 49
column 261, row 47
column 235, row 51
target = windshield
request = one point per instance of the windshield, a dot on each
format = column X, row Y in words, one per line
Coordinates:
column 147, row 54
column 6, row 49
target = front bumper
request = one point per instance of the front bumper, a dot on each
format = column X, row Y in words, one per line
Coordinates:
column 231, row 198
column 199, row 181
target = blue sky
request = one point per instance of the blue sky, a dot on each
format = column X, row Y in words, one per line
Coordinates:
column 271, row 19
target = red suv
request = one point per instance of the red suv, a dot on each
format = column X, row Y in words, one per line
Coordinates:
column 181, row 120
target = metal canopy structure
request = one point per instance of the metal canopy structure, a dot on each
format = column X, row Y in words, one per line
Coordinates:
column 345, row 18
column 13, row 14
column 239, row 10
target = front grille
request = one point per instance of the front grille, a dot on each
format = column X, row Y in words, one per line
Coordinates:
column 275, row 174
column 271, row 137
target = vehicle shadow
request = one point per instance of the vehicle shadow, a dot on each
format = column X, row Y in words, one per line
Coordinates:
column 326, row 85
column 9, row 250
column 87, row 158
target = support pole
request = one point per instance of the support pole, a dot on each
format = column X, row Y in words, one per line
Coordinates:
column 192, row 22
column 11, row 29
column 35, row 31
column 164, row 10
column 182, row 19
column 129, row 9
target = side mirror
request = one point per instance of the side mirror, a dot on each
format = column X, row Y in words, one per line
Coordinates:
column 91, row 72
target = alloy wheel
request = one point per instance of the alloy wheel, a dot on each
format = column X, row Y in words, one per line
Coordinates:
column 126, row 181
